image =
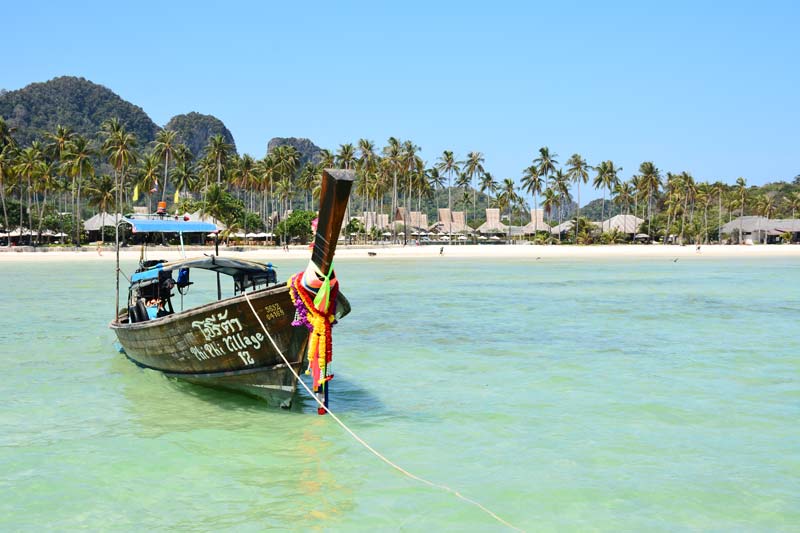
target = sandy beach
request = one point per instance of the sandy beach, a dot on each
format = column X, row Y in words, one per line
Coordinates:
column 521, row 252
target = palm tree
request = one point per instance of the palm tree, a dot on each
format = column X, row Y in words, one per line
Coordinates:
column 689, row 189
column 307, row 181
column 765, row 206
column 623, row 195
column 508, row 196
column 447, row 164
column 561, row 186
column 366, row 166
column 46, row 182
column 578, row 171
column 59, row 140
column 165, row 146
column 120, row 147
column 346, row 156
column 488, row 185
column 651, row 181
column 214, row 202
column 638, row 191
column 102, row 195
column 546, row 162
column 7, row 155
column 436, row 181
column 606, row 179
column 29, row 165
column 703, row 197
column 793, row 201
column 473, row 166
column 326, row 158
column 550, row 202
column 78, row 162
column 147, row 176
column 719, row 189
column 218, row 150
column 741, row 189
column 532, row 184
column 183, row 176
column 286, row 160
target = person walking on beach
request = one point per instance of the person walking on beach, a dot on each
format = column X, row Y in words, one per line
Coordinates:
column 441, row 250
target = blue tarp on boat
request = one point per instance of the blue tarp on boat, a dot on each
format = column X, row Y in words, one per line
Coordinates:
column 169, row 225
column 150, row 273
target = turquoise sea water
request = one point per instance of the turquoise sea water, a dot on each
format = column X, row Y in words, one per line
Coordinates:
column 563, row 395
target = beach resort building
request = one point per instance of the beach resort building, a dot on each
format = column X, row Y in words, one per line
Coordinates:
column 416, row 221
column 627, row 224
column 450, row 222
column 492, row 226
column 761, row 230
column 371, row 219
column 536, row 224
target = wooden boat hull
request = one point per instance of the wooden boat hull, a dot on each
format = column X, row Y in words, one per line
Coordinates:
column 221, row 344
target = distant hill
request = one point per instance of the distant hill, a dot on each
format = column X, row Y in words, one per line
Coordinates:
column 195, row 129
column 594, row 210
column 308, row 150
column 73, row 102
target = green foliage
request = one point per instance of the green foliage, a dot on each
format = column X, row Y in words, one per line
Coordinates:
column 251, row 221
column 614, row 236
column 593, row 210
column 355, row 226
column 73, row 102
column 194, row 130
column 298, row 225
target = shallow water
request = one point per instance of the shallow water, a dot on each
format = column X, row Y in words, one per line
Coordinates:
column 563, row 395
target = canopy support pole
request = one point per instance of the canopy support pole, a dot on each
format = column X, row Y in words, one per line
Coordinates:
column 216, row 252
column 116, row 302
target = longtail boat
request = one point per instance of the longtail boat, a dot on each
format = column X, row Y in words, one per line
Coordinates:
column 223, row 343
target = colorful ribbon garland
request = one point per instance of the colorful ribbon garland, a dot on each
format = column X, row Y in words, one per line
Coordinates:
column 315, row 309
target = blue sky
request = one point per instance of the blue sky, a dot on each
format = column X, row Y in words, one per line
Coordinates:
column 712, row 88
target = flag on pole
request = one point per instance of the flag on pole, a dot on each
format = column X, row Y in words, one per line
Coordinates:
column 175, row 200
column 135, row 193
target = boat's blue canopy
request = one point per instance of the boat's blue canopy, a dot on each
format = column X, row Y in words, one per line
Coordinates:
column 169, row 225
column 225, row 265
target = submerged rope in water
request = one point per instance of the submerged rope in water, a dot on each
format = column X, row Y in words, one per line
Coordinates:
column 363, row 442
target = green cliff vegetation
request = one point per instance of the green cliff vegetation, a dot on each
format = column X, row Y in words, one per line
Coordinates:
column 194, row 130
column 75, row 103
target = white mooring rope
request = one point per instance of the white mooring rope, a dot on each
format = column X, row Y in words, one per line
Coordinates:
column 363, row 442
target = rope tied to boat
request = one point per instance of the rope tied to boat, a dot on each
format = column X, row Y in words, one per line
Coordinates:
column 323, row 406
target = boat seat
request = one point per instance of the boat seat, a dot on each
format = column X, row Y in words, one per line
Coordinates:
column 138, row 312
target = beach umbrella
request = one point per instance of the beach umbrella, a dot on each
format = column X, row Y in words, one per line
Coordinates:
column 462, row 238
column 251, row 235
column 445, row 238
column 482, row 237
column 494, row 238
column 387, row 234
